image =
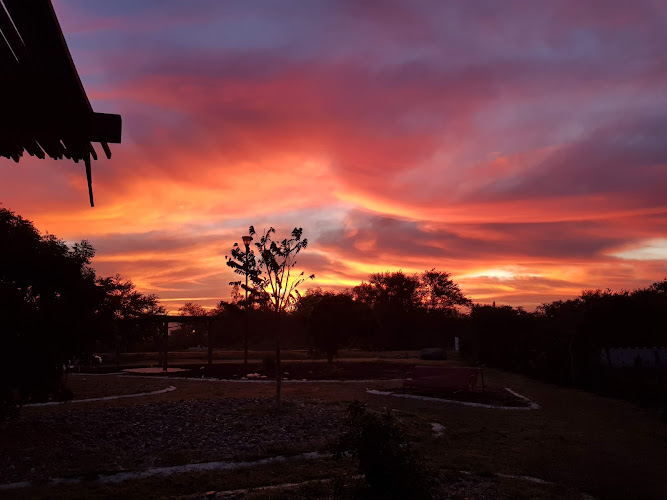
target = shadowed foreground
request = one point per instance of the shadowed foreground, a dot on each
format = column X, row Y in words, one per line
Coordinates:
column 578, row 441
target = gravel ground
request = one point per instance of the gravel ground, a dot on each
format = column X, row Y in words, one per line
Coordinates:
column 463, row 487
column 78, row 441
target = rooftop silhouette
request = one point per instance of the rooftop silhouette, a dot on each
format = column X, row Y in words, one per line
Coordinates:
column 46, row 111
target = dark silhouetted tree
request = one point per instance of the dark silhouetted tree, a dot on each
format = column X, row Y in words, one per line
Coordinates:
column 395, row 301
column 121, row 304
column 413, row 310
column 48, row 304
column 276, row 263
column 192, row 309
column 390, row 290
column 243, row 262
column 194, row 332
column 438, row 292
column 334, row 319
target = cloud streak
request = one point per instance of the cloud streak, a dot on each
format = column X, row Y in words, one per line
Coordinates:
column 520, row 147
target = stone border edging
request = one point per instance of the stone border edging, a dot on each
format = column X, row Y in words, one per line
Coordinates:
column 119, row 477
column 533, row 405
column 264, row 381
column 106, row 398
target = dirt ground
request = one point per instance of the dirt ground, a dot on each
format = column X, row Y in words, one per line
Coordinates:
column 577, row 442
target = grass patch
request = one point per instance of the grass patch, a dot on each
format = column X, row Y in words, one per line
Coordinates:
column 95, row 386
column 579, row 441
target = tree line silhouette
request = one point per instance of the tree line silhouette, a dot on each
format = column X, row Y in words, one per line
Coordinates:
column 569, row 341
column 55, row 309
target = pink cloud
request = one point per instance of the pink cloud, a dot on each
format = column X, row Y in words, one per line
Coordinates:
column 520, row 141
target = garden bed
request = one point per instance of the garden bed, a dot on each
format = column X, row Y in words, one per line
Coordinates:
column 302, row 370
column 493, row 396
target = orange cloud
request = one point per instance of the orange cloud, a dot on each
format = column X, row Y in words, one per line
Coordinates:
column 521, row 149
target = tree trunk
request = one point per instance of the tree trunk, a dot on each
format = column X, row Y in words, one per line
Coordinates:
column 117, row 338
column 245, row 341
column 245, row 317
column 210, row 347
column 572, row 377
column 279, row 369
column 165, row 343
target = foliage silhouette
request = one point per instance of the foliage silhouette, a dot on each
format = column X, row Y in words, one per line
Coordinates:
column 334, row 319
column 412, row 310
column 54, row 309
column 439, row 292
column 273, row 274
column 245, row 264
column 48, row 300
column 121, row 304
column 388, row 461
column 567, row 341
column 277, row 260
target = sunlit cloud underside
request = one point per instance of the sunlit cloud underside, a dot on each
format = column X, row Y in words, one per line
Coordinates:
column 521, row 147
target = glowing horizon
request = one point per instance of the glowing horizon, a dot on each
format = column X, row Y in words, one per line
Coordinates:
column 522, row 149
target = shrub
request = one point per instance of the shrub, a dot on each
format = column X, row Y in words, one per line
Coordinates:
column 388, row 461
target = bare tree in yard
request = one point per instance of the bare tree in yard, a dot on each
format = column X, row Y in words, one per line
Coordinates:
column 277, row 277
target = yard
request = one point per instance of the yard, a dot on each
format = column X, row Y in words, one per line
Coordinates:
column 577, row 443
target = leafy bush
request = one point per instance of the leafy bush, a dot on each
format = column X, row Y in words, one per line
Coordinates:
column 388, row 461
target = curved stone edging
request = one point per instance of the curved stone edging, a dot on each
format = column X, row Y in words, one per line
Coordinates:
column 533, row 405
column 209, row 466
column 106, row 398
column 265, row 381
column 119, row 477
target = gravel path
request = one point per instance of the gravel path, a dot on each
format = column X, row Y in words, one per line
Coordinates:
column 76, row 441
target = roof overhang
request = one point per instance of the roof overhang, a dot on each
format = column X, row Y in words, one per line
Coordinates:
column 45, row 110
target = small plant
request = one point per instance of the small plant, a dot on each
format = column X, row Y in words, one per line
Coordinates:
column 388, row 462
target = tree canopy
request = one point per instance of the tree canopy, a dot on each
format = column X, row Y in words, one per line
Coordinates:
column 48, row 301
column 272, row 276
column 277, row 260
column 439, row 292
column 433, row 290
column 334, row 319
column 53, row 307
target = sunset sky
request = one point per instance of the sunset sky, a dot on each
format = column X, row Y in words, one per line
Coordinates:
column 521, row 146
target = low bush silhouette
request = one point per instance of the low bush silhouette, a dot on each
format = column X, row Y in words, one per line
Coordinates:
column 389, row 464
